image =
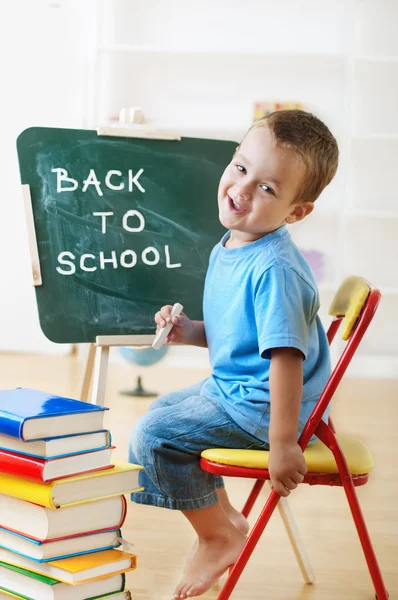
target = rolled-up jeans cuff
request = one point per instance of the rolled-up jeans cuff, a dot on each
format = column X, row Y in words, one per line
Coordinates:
column 219, row 481
column 172, row 503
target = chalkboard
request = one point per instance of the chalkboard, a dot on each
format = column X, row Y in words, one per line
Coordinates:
column 123, row 226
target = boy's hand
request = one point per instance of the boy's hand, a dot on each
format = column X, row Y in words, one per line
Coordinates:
column 287, row 467
column 182, row 325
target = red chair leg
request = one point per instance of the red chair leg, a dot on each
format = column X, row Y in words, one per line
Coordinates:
column 258, row 486
column 363, row 533
column 328, row 437
column 248, row 548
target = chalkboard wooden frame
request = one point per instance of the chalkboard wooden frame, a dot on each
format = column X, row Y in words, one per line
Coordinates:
column 178, row 208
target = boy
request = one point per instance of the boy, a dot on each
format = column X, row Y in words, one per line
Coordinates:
column 268, row 350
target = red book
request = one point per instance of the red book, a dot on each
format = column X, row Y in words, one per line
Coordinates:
column 44, row 471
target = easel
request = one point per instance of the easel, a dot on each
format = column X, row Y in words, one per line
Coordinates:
column 131, row 124
column 97, row 363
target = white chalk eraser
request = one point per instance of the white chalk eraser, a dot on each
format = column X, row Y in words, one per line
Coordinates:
column 164, row 332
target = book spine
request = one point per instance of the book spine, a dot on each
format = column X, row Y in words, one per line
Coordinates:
column 58, row 539
column 124, row 513
column 11, row 425
column 26, row 450
column 21, row 466
column 41, row 457
column 24, row 489
column 36, row 571
column 54, row 558
column 116, row 530
column 10, row 594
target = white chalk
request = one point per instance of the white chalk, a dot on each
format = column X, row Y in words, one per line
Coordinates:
column 164, row 332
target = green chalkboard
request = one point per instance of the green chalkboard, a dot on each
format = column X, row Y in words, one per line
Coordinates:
column 109, row 274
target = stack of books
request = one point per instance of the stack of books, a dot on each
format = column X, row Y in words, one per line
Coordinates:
column 61, row 501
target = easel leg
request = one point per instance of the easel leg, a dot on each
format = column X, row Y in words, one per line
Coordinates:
column 88, row 373
column 100, row 372
column 295, row 540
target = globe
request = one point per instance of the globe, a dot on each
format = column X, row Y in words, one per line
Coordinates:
column 142, row 357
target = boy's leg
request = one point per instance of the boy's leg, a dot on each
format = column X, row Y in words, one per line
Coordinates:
column 220, row 544
column 172, row 399
column 233, row 515
column 168, row 443
column 236, row 518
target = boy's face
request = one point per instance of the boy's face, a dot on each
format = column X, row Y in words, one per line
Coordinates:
column 257, row 190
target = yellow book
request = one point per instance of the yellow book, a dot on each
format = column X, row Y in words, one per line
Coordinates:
column 7, row 595
column 122, row 479
column 76, row 569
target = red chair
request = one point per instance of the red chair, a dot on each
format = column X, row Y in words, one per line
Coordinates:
column 333, row 459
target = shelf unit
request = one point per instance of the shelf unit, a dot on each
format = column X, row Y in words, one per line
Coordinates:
column 142, row 49
column 343, row 66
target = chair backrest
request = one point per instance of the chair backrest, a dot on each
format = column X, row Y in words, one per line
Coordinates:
column 354, row 305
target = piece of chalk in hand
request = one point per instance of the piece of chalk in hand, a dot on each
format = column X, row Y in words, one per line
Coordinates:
column 164, row 332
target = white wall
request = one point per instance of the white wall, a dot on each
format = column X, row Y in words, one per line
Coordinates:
column 199, row 67
column 46, row 57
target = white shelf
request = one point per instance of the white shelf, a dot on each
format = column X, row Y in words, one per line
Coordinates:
column 128, row 49
column 375, row 136
column 353, row 90
column 376, row 59
column 230, row 134
column 373, row 214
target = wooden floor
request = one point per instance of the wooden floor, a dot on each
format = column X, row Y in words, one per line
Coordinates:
column 162, row 539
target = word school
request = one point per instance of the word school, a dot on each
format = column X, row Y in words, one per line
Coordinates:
column 128, row 258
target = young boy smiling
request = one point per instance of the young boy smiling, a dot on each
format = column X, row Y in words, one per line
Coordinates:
column 268, row 350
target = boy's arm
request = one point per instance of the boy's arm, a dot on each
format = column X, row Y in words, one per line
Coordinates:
column 286, row 464
column 198, row 334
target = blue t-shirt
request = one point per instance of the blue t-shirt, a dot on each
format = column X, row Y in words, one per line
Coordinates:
column 258, row 297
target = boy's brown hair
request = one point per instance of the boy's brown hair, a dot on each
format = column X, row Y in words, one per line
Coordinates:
column 312, row 141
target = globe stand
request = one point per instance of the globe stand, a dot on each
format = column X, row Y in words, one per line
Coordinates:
column 139, row 391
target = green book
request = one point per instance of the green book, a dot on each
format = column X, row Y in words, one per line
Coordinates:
column 126, row 595
column 11, row 594
column 47, row 580
column 19, row 582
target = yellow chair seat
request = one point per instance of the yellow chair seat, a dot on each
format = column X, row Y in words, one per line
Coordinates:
column 318, row 457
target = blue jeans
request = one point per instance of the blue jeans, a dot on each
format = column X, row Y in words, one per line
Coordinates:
column 168, row 440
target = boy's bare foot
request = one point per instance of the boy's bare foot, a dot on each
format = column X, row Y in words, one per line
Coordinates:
column 213, row 557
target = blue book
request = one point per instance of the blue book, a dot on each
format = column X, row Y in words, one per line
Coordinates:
column 58, row 447
column 28, row 414
column 50, row 550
